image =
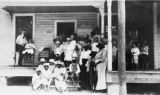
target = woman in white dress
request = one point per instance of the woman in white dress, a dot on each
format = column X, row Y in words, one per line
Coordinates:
column 101, row 64
column 135, row 54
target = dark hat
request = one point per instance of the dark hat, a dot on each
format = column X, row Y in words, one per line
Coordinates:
column 100, row 45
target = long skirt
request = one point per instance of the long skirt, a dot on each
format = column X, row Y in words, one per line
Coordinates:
column 101, row 71
column 84, row 75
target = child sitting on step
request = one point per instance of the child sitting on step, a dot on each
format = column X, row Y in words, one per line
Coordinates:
column 37, row 80
column 60, row 76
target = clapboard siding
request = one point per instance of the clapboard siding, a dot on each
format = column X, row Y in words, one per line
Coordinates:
column 46, row 21
column 6, row 39
column 66, row 16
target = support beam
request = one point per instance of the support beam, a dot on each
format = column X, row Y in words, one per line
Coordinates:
column 121, row 47
column 109, row 6
column 101, row 9
column 156, row 65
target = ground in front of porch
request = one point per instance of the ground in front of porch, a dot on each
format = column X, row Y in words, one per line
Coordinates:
column 19, row 86
column 26, row 90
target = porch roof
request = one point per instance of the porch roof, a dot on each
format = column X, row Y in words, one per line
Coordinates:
column 50, row 9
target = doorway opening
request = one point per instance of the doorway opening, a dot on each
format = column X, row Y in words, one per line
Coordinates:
column 65, row 28
column 24, row 22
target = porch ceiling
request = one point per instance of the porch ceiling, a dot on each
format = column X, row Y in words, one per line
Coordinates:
column 50, row 9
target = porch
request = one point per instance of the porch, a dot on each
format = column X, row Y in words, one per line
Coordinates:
column 133, row 77
column 112, row 76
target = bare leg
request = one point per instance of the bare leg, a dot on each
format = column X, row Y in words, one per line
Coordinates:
column 17, row 58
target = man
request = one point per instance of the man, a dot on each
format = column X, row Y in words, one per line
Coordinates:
column 20, row 44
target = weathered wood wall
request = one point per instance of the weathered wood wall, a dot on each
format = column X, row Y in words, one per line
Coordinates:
column 6, row 39
column 45, row 22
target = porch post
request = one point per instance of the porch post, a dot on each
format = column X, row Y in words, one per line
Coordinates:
column 109, row 6
column 101, row 9
column 156, row 65
column 121, row 47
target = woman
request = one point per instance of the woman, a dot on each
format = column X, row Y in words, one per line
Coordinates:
column 101, row 64
column 92, row 71
column 93, row 46
column 135, row 53
column 83, row 61
column 68, row 52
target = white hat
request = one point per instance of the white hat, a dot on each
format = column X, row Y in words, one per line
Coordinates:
column 58, row 42
column 68, row 38
column 38, row 69
column 46, row 64
column 52, row 60
column 42, row 60
column 59, row 62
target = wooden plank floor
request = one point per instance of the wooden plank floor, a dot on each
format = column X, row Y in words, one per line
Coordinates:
column 135, row 77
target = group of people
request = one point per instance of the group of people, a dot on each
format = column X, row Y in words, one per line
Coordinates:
column 23, row 47
column 47, row 72
column 86, row 60
column 139, row 56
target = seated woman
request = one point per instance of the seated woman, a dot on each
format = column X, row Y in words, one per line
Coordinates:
column 29, row 49
column 57, row 51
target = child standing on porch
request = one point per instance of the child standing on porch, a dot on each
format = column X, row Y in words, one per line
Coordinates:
column 135, row 53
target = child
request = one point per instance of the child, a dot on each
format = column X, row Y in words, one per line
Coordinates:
column 135, row 53
column 59, row 61
column 74, row 71
column 47, row 76
column 60, row 76
column 40, row 65
column 29, row 48
column 52, row 65
column 37, row 78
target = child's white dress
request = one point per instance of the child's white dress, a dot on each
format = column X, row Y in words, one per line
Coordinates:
column 135, row 52
column 47, row 76
column 37, row 80
column 29, row 48
column 59, row 74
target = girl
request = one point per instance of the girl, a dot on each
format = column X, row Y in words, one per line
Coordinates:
column 60, row 75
